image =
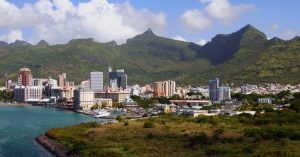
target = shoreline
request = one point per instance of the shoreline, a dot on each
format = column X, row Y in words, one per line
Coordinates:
column 54, row 147
column 13, row 104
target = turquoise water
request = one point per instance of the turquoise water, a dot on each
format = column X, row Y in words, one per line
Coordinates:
column 19, row 125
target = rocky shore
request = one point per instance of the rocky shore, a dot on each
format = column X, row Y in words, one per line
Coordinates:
column 54, row 147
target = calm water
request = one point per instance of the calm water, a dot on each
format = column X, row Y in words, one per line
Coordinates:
column 19, row 125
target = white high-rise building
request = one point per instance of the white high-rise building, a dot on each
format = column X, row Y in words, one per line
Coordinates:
column 224, row 93
column 96, row 81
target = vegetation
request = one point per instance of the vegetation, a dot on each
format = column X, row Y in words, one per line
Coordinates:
column 245, row 56
column 6, row 95
column 270, row 134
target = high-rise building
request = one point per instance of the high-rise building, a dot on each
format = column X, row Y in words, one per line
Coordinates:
column 62, row 80
column 8, row 84
column 96, row 81
column 25, row 77
column 117, row 78
column 213, row 89
column 224, row 93
column 165, row 88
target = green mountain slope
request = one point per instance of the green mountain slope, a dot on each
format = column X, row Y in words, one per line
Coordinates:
column 245, row 56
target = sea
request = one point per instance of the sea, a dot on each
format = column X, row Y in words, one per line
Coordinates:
column 19, row 125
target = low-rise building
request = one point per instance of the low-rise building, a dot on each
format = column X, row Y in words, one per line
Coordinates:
column 103, row 102
column 115, row 95
column 265, row 100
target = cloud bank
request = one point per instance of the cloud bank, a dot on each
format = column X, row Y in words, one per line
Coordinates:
column 58, row 21
column 220, row 10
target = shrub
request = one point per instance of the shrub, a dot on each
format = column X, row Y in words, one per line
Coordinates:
column 216, row 150
column 92, row 124
column 200, row 139
column 119, row 118
column 250, row 132
column 249, row 149
column 126, row 123
column 150, row 136
column 148, row 124
column 217, row 133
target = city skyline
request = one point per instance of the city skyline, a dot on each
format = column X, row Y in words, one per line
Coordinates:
column 194, row 20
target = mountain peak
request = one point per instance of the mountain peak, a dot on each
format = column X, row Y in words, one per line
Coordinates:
column 2, row 43
column 42, row 43
column 111, row 43
column 20, row 43
column 149, row 32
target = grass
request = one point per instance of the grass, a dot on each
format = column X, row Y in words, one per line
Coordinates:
column 183, row 136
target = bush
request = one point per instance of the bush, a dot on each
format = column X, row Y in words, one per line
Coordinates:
column 148, row 124
column 92, row 124
column 200, row 139
column 150, row 136
column 119, row 118
column 216, row 150
column 250, row 132
column 249, row 149
column 217, row 133
column 126, row 123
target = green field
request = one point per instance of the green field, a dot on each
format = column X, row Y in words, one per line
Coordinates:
column 271, row 134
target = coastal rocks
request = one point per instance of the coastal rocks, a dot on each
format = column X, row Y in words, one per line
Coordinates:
column 54, row 147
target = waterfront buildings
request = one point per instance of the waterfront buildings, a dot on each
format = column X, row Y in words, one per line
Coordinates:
column 25, row 77
column 164, row 88
column 96, row 81
column 115, row 95
column 28, row 93
column 213, row 89
column 117, row 79
column 83, row 99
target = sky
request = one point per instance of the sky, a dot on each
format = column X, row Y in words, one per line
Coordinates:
column 58, row 21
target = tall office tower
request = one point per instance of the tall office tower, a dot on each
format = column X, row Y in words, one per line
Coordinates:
column 25, row 77
column 62, row 80
column 165, row 88
column 96, row 81
column 213, row 89
column 224, row 93
column 118, row 77
column 159, row 89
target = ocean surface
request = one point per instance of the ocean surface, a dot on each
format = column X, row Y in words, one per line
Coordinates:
column 19, row 125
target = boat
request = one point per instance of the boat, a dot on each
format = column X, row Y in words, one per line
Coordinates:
column 102, row 113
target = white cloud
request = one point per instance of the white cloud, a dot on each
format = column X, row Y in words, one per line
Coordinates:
column 180, row 38
column 201, row 42
column 274, row 27
column 195, row 20
column 224, row 11
column 58, row 21
column 12, row 36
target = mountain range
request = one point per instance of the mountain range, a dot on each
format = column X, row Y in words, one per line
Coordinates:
column 244, row 56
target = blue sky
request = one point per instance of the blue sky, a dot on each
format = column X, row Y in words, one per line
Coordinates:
column 191, row 20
